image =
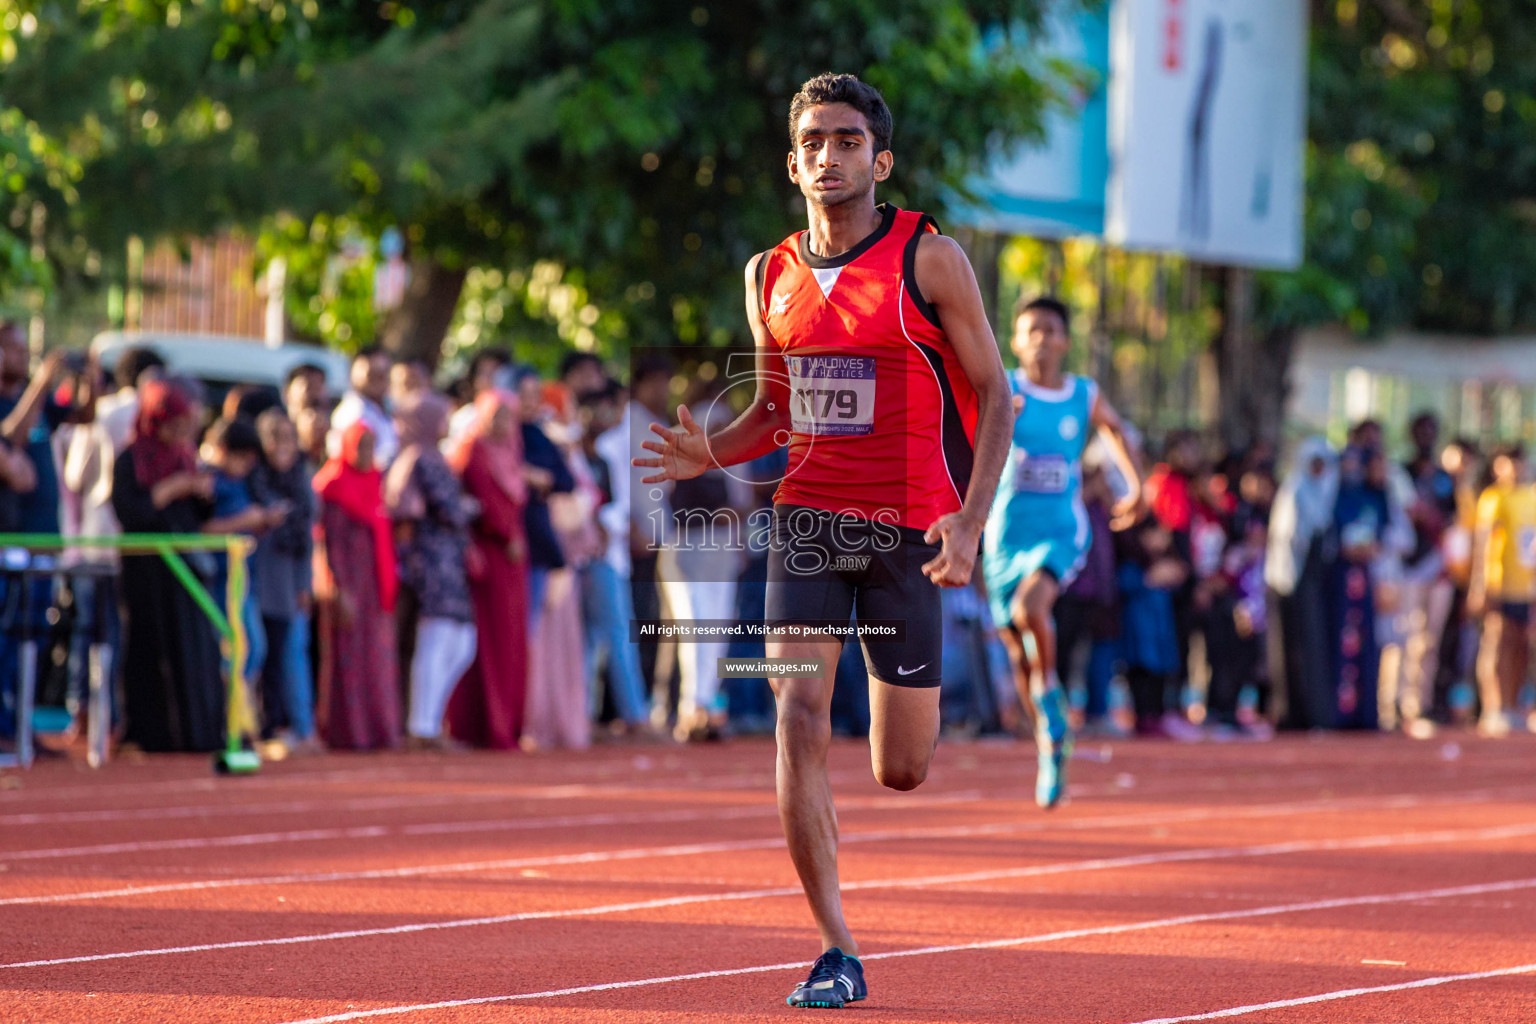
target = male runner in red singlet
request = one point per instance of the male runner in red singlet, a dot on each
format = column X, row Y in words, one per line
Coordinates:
column 876, row 365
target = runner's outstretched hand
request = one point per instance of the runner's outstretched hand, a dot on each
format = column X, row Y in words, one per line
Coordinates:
column 683, row 450
column 957, row 537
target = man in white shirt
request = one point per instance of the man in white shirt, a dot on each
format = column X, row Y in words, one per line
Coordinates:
column 89, row 457
column 93, row 448
column 364, row 401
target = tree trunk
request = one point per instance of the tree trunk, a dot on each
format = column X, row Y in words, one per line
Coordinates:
column 1251, row 368
column 415, row 329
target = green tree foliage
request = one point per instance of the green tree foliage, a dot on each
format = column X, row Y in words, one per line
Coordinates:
column 33, row 171
column 638, row 146
column 29, row 165
column 1421, row 169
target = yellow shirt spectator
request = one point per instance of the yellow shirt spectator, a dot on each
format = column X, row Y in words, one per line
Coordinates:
column 1506, row 515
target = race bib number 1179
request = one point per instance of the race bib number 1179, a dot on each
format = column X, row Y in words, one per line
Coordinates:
column 831, row 395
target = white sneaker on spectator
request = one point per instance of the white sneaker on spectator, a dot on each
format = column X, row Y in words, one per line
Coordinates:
column 1419, row 729
column 1493, row 725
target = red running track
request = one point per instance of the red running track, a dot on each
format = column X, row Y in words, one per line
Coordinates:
column 1346, row 878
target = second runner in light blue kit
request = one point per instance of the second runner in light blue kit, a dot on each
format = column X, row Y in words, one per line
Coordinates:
column 1037, row 534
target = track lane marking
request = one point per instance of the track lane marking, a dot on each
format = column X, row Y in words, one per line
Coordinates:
column 199, row 811
column 1061, row 867
column 1390, row 802
column 1280, row 754
column 473, row 825
column 1346, row 993
column 564, row 792
column 1025, row 940
column 939, row 832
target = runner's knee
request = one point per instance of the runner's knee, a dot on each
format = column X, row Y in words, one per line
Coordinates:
column 901, row 775
column 902, row 769
column 1039, row 598
column 802, row 724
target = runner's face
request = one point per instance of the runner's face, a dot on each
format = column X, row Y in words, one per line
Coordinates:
column 1040, row 340
column 834, row 160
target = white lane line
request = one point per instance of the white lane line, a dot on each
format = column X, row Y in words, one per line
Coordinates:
column 1063, row 867
column 1302, row 752
column 1343, row 993
column 204, row 784
column 1024, row 940
column 554, row 792
column 455, row 827
column 379, row 831
column 952, row 832
column 1398, row 802
column 564, row 792
column 374, row 803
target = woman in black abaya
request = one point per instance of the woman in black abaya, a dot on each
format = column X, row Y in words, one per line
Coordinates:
column 172, row 678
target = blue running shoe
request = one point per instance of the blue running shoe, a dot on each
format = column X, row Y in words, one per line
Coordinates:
column 836, row 979
column 1053, row 741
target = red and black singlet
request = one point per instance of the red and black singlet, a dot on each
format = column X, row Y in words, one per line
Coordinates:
column 883, row 417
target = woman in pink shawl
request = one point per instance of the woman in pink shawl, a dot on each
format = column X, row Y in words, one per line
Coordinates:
column 558, row 713
column 487, row 707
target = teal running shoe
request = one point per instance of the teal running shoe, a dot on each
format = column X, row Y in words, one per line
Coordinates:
column 1053, row 741
column 836, row 980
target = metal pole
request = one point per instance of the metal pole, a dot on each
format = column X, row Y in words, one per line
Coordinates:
column 99, row 727
column 26, row 688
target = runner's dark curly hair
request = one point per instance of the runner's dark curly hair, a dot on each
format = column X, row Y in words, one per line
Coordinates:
column 830, row 88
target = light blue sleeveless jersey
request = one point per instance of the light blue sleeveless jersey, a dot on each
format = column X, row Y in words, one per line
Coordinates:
column 1037, row 519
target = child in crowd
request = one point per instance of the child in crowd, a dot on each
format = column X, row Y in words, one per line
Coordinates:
column 1090, row 608
column 230, row 451
column 1235, row 632
column 1151, row 571
column 283, row 581
column 1502, row 588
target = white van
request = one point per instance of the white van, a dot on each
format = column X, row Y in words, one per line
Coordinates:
column 222, row 361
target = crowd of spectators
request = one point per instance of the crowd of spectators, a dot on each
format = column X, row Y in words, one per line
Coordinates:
column 1349, row 592
column 431, row 569
column 439, row 569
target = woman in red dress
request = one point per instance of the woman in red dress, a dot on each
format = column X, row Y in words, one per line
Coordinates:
column 487, row 707
column 355, row 578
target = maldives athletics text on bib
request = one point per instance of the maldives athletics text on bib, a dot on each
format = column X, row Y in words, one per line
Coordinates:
column 832, row 396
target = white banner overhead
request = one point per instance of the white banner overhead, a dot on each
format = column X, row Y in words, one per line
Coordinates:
column 1207, row 121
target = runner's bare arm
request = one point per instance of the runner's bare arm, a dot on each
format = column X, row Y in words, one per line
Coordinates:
column 945, row 279
column 1112, row 431
column 684, row 451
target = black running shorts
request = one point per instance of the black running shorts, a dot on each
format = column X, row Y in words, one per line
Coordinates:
column 824, row 567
